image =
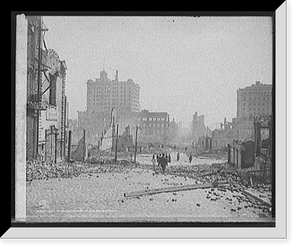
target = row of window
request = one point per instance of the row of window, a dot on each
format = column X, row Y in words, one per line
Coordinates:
column 113, row 87
column 154, row 125
column 268, row 98
column 153, row 119
column 258, row 113
column 258, row 109
column 254, row 104
column 258, row 92
column 153, row 131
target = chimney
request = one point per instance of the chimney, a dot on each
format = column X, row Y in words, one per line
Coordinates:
column 116, row 76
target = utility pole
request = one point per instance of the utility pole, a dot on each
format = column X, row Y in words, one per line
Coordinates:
column 135, row 149
column 38, row 88
column 55, row 147
column 116, row 149
column 69, row 146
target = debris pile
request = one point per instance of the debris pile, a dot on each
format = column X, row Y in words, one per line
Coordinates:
column 46, row 170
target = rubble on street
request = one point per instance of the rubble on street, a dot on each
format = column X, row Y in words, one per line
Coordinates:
column 97, row 191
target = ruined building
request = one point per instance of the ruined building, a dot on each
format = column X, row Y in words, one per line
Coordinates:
column 47, row 106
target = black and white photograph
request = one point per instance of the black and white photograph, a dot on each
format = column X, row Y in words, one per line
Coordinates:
column 146, row 120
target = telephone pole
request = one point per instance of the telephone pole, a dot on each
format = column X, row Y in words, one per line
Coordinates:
column 135, row 149
column 116, row 149
column 38, row 88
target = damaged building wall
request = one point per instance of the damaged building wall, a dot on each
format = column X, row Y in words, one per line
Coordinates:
column 80, row 153
column 241, row 154
column 45, row 96
column 33, row 30
column 125, row 140
column 53, row 118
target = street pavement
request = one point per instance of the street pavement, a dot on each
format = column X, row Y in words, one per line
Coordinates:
column 100, row 197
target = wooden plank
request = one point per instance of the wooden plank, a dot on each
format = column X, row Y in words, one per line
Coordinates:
column 172, row 189
column 268, row 204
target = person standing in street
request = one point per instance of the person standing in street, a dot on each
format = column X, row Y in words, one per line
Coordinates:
column 178, row 156
column 169, row 158
column 158, row 160
column 163, row 162
column 153, row 162
column 190, row 158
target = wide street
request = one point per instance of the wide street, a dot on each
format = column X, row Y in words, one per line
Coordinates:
column 96, row 193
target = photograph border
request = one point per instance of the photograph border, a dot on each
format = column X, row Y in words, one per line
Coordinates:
column 18, row 222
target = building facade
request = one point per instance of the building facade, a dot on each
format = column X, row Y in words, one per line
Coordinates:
column 154, row 127
column 54, row 118
column 33, row 105
column 254, row 100
column 104, row 94
column 46, row 113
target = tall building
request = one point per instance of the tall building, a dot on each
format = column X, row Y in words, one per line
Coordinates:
column 104, row 94
column 254, row 100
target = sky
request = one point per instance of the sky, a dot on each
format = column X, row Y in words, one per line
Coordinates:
column 182, row 64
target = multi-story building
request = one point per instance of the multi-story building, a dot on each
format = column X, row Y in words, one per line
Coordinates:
column 254, row 100
column 104, row 94
column 154, row 126
column 46, row 116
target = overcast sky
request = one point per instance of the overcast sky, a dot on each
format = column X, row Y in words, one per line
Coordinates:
column 182, row 64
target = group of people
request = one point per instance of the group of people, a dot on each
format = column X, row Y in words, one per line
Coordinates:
column 162, row 161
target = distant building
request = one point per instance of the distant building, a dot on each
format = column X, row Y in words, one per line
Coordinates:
column 104, row 94
column 173, row 137
column 96, row 122
column 254, row 100
column 154, row 127
column 199, row 130
column 239, row 130
column 198, row 126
